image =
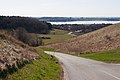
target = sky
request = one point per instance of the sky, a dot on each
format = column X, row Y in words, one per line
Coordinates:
column 63, row 8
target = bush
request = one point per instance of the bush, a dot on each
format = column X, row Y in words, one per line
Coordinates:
column 28, row 38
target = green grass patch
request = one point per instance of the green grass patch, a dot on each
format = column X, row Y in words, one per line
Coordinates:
column 112, row 56
column 56, row 36
column 45, row 68
column 48, row 49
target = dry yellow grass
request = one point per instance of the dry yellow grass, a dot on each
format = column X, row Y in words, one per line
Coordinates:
column 13, row 51
column 107, row 38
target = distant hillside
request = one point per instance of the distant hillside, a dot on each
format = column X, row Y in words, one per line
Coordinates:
column 32, row 25
column 107, row 38
column 66, row 19
column 79, row 29
column 13, row 54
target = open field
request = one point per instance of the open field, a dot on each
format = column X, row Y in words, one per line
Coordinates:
column 56, row 36
column 45, row 68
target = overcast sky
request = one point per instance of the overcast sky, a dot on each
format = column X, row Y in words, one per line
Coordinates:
column 75, row 8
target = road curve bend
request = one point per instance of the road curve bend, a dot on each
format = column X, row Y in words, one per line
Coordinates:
column 77, row 68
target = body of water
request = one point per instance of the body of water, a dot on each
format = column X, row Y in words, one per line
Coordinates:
column 86, row 22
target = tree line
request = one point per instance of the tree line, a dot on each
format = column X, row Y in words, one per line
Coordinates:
column 25, row 29
column 31, row 25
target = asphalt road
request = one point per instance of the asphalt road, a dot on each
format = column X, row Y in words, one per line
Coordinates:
column 77, row 68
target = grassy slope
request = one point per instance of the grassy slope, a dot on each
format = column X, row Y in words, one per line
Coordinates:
column 107, row 38
column 44, row 68
column 56, row 36
column 112, row 56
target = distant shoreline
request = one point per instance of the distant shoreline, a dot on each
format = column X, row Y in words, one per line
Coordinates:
column 85, row 22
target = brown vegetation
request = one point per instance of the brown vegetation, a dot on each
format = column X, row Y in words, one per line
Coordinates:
column 13, row 54
column 107, row 38
column 31, row 39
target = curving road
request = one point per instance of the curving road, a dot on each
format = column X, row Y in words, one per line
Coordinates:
column 77, row 68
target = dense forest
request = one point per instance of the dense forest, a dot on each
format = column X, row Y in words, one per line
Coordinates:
column 32, row 25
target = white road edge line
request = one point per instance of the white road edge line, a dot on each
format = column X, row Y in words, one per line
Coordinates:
column 111, row 75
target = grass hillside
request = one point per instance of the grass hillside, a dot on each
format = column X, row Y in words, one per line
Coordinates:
column 21, row 62
column 44, row 68
column 107, row 38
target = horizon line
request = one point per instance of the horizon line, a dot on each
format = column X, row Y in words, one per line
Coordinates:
column 66, row 16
